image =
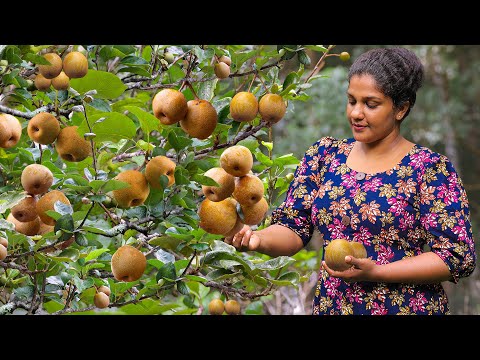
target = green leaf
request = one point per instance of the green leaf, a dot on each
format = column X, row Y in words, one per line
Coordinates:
column 289, row 278
column 196, row 278
column 133, row 60
column 62, row 208
column 36, row 59
column 204, row 180
column 200, row 246
column 136, row 70
column 67, row 255
column 318, row 48
column 95, row 254
column 304, row 58
column 114, row 127
column 287, row 159
column 206, row 89
column 101, row 105
column 65, row 222
column 262, row 158
column 167, row 272
column 52, row 306
column 254, row 308
column 290, row 79
column 108, row 85
column 182, row 288
column 81, row 239
column 113, row 184
column 10, row 199
column 275, row 263
column 178, row 142
column 148, row 122
column 166, row 242
column 214, row 256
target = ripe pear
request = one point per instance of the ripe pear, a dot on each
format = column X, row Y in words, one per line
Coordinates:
column 272, row 108
column 222, row 70
column 238, row 226
column 71, row 146
column 237, row 160
column 42, row 83
column 218, row 217
column 104, row 289
column 169, row 106
column 27, row 228
column 158, row 166
column 25, row 210
column 248, row 190
column 4, row 242
column 216, row 307
column 101, row 300
column 224, row 179
column 10, row 131
column 36, row 179
column 136, row 193
column 47, row 202
column 254, row 214
column 244, row 106
column 43, row 128
column 201, row 119
column 44, row 228
column 232, row 307
column 61, row 81
column 75, row 65
column 128, row 263
column 358, row 249
column 335, row 253
column 3, row 252
column 55, row 67
column 225, row 59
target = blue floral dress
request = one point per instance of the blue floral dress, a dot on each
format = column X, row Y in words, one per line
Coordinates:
column 421, row 201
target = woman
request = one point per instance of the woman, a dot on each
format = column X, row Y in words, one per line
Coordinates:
column 382, row 190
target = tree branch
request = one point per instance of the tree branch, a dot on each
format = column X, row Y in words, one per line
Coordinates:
column 31, row 114
column 22, row 269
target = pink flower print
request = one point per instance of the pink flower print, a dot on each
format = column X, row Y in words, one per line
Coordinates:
column 337, row 229
column 379, row 309
column 460, row 231
column 289, row 201
column 349, row 180
column 418, row 302
column 384, row 255
column 363, row 236
column 448, row 194
column 302, row 167
column 334, row 164
column 418, row 159
column 397, row 205
column 372, row 185
column 429, row 221
column 331, row 285
column 300, row 221
column 427, row 193
column 407, row 221
column 355, row 293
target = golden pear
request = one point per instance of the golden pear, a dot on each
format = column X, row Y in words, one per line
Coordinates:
column 42, row 83
column 29, row 228
column 248, row 190
column 224, row 179
column 128, row 263
column 218, row 217
column 104, row 289
column 55, row 67
column 101, row 300
column 47, row 202
column 4, row 242
column 358, row 249
column 201, row 119
column 216, row 307
column 44, row 228
column 335, row 253
column 136, row 193
column 232, row 307
column 36, row 179
column 222, row 70
column 61, row 81
column 3, row 252
column 43, row 128
column 237, row 160
column 238, row 226
column 10, row 131
column 75, row 65
column 158, row 166
column 272, row 108
column 244, row 106
column 71, row 146
column 225, row 59
column 25, row 210
column 169, row 106
column 254, row 214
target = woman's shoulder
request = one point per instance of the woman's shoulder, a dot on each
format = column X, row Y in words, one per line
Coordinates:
column 428, row 157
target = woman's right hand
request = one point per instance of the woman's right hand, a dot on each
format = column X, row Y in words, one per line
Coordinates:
column 245, row 240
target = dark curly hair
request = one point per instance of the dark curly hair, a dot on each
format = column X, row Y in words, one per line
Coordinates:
column 397, row 71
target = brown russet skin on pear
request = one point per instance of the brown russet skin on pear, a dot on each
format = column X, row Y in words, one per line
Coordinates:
column 238, row 226
column 136, row 193
column 358, row 249
column 237, row 160
column 36, row 179
column 61, row 82
column 216, row 307
column 4, row 242
column 201, row 119
column 244, row 106
column 128, row 263
column 222, row 70
column 55, row 67
column 44, row 228
column 254, row 214
column 169, row 106
column 42, row 83
column 27, row 228
column 47, row 202
column 249, row 190
column 3, row 252
column 225, row 59
column 75, row 65
column 224, row 179
column 272, row 108
column 158, row 166
column 43, row 128
column 232, row 307
column 218, row 217
column 71, row 146
column 101, row 300
column 10, row 131
column 335, row 253
column 104, row 289
column 25, row 210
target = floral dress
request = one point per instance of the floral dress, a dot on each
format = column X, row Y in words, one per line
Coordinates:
column 421, row 201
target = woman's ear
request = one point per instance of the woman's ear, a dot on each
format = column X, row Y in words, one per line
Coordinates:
column 401, row 111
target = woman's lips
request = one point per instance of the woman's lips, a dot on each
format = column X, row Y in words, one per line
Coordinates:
column 358, row 127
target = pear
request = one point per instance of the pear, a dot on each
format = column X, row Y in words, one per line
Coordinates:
column 4, row 242
column 10, row 131
column 358, row 249
column 43, row 128
column 224, row 179
column 104, row 289
column 335, row 253
column 169, row 106
column 75, row 65
column 237, row 160
column 55, row 67
column 254, row 214
column 244, row 106
column 201, row 119
column 44, row 228
column 101, row 300
column 47, row 202
column 61, row 81
column 238, row 226
column 158, row 166
column 216, row 307
column 42, row 83
column 128, row 263
column 25, row 210
column 248, row 190
column 222, row 70
column 272, row 108
column 136, row 193
column 36, row 179
column 71, row 146
column 3, row 252
column 232, row 307
column 225, row 59
column 27, row 228
column 218, row 217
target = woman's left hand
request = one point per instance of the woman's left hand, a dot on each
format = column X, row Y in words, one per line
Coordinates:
column 361, row 270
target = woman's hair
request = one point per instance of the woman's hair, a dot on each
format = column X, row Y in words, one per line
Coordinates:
column 398, row 73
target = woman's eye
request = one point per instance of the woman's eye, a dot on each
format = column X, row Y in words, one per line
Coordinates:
column 372, row 106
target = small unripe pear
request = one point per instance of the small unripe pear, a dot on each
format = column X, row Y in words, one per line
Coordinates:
column 42, row 83
column 104, row 289
column 3, row 252
column 101, row 300
column 169, row 57
column 4, row 242
column 216, row 307
column 55, row 67
column 222, row 70
column 61, row 82
column 75, row 65
column 36, row 179
column 232, row 307
column 344, row 56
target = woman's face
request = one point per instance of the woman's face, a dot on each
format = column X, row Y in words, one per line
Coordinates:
column 371, row 114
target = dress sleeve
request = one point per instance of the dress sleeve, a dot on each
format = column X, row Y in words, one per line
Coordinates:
column 445, row 217
column 295, row 212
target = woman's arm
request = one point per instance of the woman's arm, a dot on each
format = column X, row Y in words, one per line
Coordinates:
column 274, row 240
column 423, row 268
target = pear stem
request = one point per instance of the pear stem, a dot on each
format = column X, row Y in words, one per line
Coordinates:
column 91, row 141
column 317, row 67
column 193, row 90
column 251, row 83
column 41, row 152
